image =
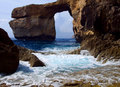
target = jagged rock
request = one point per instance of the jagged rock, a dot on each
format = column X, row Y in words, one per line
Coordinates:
column 97, row 27
column 9, row 52
column 26, row 55
column 96, row 24
column 96, row 16
column 35, row 62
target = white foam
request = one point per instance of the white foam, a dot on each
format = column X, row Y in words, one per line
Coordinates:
column 59, row 50
column 56, row 65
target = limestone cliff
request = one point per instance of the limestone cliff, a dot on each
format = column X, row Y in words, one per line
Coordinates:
column 95, row 25
column 36, row 21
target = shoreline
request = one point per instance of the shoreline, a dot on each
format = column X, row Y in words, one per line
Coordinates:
column 105, row 79
column 104, row 76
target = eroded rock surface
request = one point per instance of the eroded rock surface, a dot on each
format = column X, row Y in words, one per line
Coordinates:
column 96, row 24
column 9, row 52
column 97, row 28
column 26, row 55
column 36, row 21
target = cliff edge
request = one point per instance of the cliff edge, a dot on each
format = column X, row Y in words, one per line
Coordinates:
column 95, row 25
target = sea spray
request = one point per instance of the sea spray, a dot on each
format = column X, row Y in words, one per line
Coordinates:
column 59, row 66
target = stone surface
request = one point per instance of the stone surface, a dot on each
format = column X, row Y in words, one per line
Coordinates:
column 4, row 85
column 26, row 55
column 106, row 76
column 96, row 24
column 97, row 28
column 9, row 52
column 35, row 62
column 34, row 28
column 36, row 21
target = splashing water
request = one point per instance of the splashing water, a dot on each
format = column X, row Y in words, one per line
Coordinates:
column 56, row 64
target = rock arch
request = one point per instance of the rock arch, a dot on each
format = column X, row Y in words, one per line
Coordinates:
column 36, row 21
column 96, row 24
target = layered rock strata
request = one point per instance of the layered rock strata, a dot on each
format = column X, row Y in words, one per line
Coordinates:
column 97, row 28
column 36, row 22
column 95, row 25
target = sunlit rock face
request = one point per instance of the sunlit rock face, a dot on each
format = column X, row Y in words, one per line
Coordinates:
column 97, row 27
column 96, row 24
column 95, row 16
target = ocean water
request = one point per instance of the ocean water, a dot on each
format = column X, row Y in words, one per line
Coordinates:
column 57, row 45
column 58, row 64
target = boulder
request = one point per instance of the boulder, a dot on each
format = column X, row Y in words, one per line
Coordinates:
column 26, row 55
column 35, row 62
column 9, row 52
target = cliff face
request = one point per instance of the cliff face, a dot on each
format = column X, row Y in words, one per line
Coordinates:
column 95, row 25
column 36, row 21
column 95, row 17
column 97, row 28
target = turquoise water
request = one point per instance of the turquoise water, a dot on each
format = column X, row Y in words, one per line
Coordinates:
column 58, row 65
column 60, row 61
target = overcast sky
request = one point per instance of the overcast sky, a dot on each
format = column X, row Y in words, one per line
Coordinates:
column 63, row 21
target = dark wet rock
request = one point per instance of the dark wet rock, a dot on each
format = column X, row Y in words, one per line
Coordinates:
column 9, row 52
column 26, row 55
column 35, row 62
column 4, row 85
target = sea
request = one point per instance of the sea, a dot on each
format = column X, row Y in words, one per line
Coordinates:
column 58, row 63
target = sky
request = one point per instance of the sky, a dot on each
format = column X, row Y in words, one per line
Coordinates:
column 63, row 20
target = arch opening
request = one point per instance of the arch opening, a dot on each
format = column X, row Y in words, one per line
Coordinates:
column 63, row 25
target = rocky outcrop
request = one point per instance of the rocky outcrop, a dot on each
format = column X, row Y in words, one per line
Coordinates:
column 34, row 28
column 97, row 77
column 106, row 76
column 95, row 17
column 9, row 52
column 36, row 21
column 4, row 85
column 95, row 25
column 26, row 55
